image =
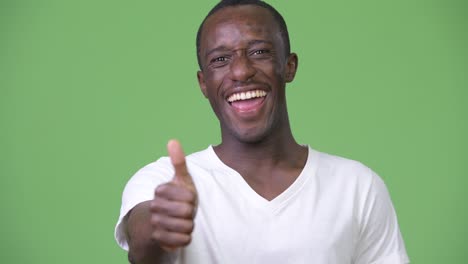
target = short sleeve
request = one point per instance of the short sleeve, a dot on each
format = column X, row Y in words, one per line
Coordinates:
column 140, row 188
column 380, row 240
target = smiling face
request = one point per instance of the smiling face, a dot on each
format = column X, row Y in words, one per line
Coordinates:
column 244, row 72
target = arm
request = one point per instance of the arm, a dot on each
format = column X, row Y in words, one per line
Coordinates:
column 380, row 240
column 142, row 247
column 156, row 228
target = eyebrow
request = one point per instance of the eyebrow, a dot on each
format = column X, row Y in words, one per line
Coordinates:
column 224, row 48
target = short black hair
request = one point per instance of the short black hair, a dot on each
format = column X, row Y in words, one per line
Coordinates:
column 226, row 3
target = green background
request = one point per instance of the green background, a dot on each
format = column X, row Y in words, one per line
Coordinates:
column 90, row 91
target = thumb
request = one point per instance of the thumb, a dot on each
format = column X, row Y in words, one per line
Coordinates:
column 178, row 161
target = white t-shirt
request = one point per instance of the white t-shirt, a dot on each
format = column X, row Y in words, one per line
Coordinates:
column 337, row 211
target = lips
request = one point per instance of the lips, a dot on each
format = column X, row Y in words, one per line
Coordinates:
column 248, row 105
column 248, row 101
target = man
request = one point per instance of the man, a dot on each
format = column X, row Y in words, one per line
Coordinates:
column 258, row 197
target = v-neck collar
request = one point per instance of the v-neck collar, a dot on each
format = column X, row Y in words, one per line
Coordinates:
column 258, row 201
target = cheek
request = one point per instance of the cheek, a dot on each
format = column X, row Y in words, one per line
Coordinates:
column 213, row 90
column 214, row 83
column 272, row 69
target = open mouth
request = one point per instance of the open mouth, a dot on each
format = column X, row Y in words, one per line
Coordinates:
column 247, row 101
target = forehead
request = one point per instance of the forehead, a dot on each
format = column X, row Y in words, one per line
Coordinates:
column 238, row 22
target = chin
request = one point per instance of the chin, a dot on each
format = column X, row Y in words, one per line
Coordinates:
column 251, row 136
column 250, row 132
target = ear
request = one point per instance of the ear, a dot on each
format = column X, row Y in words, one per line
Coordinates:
column 291, row 67
column 201, row 83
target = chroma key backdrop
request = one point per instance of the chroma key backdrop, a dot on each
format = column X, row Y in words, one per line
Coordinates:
column 91, row 91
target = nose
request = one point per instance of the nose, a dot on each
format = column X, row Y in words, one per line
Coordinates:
column 241, row 68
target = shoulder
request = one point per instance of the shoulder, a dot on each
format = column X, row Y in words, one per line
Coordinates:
column 163, row 166
column 350, row 178
column 161, row 170
column 203, row 159
column 156, row 172
column 343, row 170
column 201, row 156
column 204, row 163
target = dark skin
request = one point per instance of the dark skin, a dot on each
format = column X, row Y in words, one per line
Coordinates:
column 158, row 227
column 241, row 50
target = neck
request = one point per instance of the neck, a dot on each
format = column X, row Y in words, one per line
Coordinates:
column 269, row 166
column 277, row 149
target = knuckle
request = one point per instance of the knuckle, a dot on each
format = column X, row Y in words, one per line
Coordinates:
column 186, row 240
column 156, row 236
column 156, row 205
column 187, row 210
column 155, row 220
column 192, row 226
column 191, row 213
column 192, row 195
column 185, row 226
column 159, row 189
column 163, row 190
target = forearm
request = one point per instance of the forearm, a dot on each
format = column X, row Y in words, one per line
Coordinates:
column 142, row 248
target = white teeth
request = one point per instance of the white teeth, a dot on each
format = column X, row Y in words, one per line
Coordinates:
column 246, row 95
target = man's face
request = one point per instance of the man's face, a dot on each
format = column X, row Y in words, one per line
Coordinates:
column 244, row 71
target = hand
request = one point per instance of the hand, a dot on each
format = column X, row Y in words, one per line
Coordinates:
column 174, row 205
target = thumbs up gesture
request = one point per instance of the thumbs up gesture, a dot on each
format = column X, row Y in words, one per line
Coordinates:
column 174, row 205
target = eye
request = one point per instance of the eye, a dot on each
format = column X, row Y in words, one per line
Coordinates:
column 218, row 59
column 263, row 51
column 260, row 54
